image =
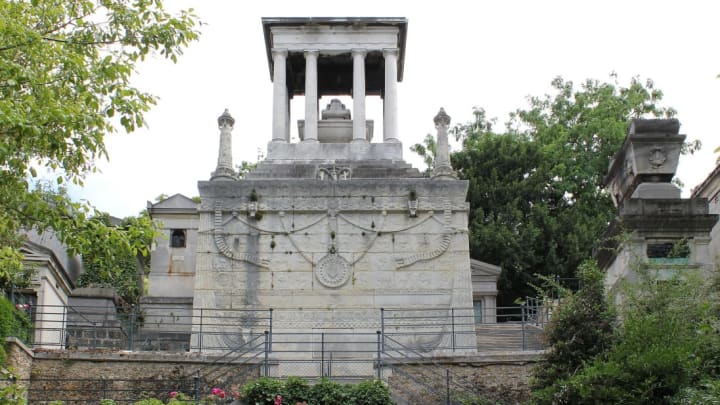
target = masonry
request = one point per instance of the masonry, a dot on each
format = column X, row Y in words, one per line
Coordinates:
column 49, row 374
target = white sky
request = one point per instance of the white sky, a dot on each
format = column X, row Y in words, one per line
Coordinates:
column 490, row 54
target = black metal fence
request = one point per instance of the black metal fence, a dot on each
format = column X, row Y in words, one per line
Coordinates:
column 176, row 329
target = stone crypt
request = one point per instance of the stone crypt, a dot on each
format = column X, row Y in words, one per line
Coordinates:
column 327, row 231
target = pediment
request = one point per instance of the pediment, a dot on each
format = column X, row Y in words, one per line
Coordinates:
column 480, row 268
column 174, row 202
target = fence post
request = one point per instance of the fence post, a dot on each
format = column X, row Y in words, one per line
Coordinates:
column 452, row 315
column 382, row 329
column 63, row 329
column 267, row 349
column 271, row 322
column 322, row 354
column 104, row 389
column 522, row 310
column 379, row 358
column 200, row 337
column 132, row 327
column 447, row 386
column 196, row 382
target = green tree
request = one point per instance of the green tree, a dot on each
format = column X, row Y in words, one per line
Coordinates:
column 537, row 201
column 120, row 266
column 426, row 150
column 65, row 69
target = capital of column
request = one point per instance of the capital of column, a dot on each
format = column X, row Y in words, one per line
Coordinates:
column 279, row 52
column 312, row 52
column 390, row 52
column 359, row 52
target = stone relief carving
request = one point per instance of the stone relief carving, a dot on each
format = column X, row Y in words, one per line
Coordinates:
column 224, row 249
column 333, row 271
column 444, row 243
column 657, row 157
column 333, row 173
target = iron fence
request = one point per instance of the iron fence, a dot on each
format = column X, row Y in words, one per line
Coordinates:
column 183, row 329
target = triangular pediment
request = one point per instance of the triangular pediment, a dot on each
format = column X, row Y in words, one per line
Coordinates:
column 174, row 202
column 480, row 268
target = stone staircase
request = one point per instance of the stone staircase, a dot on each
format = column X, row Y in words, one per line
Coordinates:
column 508, row 336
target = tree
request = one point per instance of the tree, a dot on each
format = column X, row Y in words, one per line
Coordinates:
column 120, row 266
column 65, row 69
column 537, row 201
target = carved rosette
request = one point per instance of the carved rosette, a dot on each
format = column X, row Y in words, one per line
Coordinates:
column 333, row 271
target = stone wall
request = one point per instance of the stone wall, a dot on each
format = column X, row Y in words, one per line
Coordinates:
column 19, row 357
column 91, row 375
column 498, row 378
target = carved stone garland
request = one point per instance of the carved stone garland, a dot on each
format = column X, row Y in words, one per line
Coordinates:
column 333, row 270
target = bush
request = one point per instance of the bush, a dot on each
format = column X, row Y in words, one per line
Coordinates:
column 263, row 391
column 666, row 349
column 12, row 323
column 373, row 392
column 581, row 329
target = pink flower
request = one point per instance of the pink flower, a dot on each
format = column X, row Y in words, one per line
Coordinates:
column 278, row 400
column 173, row 394
column 216, row 391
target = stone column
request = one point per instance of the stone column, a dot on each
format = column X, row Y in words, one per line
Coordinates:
column 311, row 96
column 358, row 56
column 442, row 167
column 280, row 96
column 224, row 170
column 390, row 119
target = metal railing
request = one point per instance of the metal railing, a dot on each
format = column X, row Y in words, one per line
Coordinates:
column 161, row 329
column 215, row 331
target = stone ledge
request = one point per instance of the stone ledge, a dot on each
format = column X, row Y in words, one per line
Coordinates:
column 510, row 357
column 127, row 356
column 20, row 344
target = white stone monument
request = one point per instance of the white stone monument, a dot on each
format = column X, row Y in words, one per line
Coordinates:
column 329, row 230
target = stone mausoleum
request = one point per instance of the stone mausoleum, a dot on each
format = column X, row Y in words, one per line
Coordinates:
column 328, row 230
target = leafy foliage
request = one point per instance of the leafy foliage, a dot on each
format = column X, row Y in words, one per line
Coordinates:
column 581, row 329
column 65, row 69
column 13, row 322
column 537, row 202
column 666, row 348
column 120, row 266
column 426, row 150
column 264, row 391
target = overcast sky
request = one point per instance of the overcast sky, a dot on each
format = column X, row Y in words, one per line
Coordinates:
column 459, row 55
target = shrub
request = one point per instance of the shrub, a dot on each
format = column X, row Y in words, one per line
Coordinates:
column 12, row 323
column 373, row 392
column 263, row 391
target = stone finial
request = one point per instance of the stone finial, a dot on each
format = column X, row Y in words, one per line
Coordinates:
column 442, row 169
column 442, row 118
column 335, row 110
column 224, row 170
column 226, row 120
column 646, row 164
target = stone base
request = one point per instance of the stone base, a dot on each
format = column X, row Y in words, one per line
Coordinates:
column 282, row 152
